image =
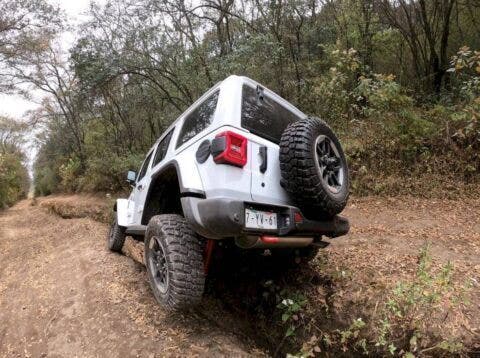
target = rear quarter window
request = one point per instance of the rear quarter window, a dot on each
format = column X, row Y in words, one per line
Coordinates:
column 199, row 119
column 162, row 148
column 144, row 168
column 264, row 116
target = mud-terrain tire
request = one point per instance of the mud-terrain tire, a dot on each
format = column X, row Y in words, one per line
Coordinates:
column 116, row 237
column 313, row 168
column 174, row 260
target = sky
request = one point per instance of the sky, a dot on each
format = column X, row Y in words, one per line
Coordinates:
column 14, row 105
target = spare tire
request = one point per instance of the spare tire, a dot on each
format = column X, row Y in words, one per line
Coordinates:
column 313, row 168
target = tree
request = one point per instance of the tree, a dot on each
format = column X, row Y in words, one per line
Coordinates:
column 425, row 25
column 48, row 72
column 14, row 180
column 26, row 27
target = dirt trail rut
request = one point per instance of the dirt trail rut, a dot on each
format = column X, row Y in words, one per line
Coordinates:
column 62, row 294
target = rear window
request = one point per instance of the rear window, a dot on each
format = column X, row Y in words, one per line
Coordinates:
column 264, row 116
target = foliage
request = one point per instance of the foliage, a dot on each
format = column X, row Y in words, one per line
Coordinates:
column 26, row 27
column 467, row 133
column 14, row 179
column 466, row 59
column 335, row 89
column 466, row 65
column 291, row 307
column 136, row 66
column 380, row 94
column 46, row 181
column 69, row 174
column 107, row 173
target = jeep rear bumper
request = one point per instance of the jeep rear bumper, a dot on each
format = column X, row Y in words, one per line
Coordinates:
column 222, row 217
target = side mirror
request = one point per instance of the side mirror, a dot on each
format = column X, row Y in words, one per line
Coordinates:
column 131, row 177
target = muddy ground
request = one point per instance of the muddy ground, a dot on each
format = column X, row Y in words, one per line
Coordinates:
column 62, row 294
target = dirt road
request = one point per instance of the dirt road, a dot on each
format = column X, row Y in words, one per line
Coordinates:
column 62, row 294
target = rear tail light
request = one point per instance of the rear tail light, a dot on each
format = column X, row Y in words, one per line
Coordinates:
column 229, row 148
column 297, row 217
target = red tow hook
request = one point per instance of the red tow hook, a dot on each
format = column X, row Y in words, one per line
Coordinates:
column 208, row 255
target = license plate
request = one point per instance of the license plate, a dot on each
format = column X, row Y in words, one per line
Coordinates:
column 256, row 219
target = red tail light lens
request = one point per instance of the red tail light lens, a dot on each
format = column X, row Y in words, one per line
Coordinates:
column 297, row 217
column 229, row 148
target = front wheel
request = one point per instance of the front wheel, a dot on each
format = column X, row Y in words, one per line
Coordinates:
column 174, row 260
column 116, row 237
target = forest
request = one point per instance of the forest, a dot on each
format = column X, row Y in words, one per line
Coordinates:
column 399, row 81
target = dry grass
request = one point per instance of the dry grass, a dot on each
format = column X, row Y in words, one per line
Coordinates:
column 98, row 208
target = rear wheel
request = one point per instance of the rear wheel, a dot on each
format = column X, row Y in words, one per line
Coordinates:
column 173, row 256
column 116, row 237
column 313, row 168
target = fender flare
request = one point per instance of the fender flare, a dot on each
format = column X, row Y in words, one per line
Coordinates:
column 177, row 166
column 121, row 208
column 184, row 191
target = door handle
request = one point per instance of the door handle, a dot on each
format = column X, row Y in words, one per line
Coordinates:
column 140, row 187
column 263, row 156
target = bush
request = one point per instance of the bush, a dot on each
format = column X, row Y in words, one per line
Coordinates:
column 69, row 174
column 14, row 181
column 334, row 91
column 46, row 181
column 466, row 67
column 379, row 94
column 108, row 172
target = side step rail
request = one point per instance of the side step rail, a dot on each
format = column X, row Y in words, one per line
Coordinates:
column 136, row 230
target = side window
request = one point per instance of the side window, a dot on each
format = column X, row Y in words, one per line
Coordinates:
column 162, row 148
column 143, row 171
column 199, row 119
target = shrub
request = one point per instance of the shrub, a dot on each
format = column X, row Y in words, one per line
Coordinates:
column 46, row 181
column 14, row 181
column 69, row 173
column 380, row 93
column 334, row 90
column 108, row 172
column 466, row 66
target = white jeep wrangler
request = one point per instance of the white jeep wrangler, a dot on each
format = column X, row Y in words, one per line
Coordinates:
column 241, row 164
